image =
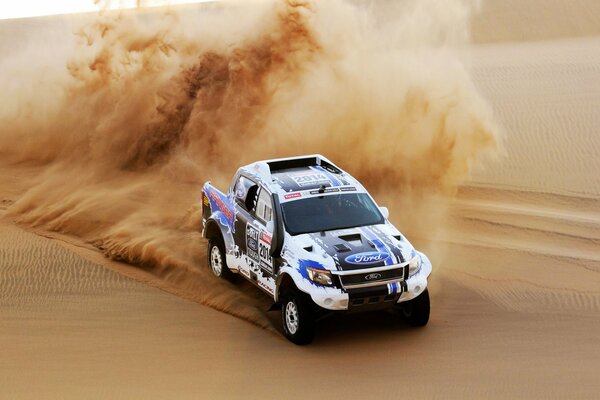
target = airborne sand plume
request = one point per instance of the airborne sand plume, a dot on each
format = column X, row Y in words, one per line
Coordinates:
column 145, row 110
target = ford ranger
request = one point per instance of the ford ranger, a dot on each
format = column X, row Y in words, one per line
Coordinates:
column 313, row 239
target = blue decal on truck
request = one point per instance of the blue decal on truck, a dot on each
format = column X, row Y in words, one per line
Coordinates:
column 379, row 245
column 334, row 181
column 222, row 203
column 303, row 268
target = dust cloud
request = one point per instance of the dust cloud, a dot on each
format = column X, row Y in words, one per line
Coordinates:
column 144, row 107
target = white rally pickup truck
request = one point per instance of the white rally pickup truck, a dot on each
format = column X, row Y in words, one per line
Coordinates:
column 310, row 236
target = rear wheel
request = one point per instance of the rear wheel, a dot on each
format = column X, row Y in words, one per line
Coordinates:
column 297, row 317
column 416, row 311
column 216, row 259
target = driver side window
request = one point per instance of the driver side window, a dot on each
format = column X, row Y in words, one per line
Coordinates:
column 264, row 210
column 245, row 192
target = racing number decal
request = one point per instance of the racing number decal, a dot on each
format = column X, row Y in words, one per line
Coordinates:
column 266, row 261
column 258, row 245
column 310, row 179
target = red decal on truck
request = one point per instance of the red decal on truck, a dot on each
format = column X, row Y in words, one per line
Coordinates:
column 292, row 195
column 221, row 205
column 265, row 238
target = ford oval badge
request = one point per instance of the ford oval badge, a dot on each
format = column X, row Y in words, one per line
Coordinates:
column 368, row 258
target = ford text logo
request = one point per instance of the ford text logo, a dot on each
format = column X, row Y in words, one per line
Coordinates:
column 372, row 257
column 371, row 277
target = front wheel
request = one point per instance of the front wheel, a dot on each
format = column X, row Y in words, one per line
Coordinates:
column 216, row 259
column 416, row 311
column 297, row 317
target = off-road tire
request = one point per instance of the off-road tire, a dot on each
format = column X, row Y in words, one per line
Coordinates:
column 416, row 311
column 216, row 259
column 297, row 317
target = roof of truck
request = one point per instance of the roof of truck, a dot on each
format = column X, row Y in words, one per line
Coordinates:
column 297, row 176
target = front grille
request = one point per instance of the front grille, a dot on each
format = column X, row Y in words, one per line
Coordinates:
column 381, row 276
column 374, row 300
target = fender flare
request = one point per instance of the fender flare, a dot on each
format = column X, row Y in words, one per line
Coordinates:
column 294, row 275
column 227, row 236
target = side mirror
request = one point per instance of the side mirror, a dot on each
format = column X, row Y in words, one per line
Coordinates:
column 385, row 212
column 277, row 224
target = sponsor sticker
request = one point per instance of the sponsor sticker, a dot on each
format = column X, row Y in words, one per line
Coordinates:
column 328, row 190
column 252, row 235
column 292, row 195
column 265, row 286
column 265, row 237
column 219, row 202
column 258, row 248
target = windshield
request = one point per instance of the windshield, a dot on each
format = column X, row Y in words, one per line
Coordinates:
column 326, row 213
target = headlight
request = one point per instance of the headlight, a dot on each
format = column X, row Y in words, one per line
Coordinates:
column 320, row 276
column 414, row 265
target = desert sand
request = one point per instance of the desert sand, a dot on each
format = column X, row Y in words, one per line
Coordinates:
column 515, row 288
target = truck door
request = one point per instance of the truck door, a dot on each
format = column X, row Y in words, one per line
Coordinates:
column 262, row 260
column 245, row 193
column 252, row 237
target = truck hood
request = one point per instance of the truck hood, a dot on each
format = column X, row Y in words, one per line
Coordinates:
column 358, row 248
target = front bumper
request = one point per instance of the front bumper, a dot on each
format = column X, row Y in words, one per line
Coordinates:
column 379, row 296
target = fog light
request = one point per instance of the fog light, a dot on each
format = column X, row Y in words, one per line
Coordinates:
column 417, row 289
column 328, row 301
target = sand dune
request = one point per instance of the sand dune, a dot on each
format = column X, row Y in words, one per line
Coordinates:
column 535, row 20
column 72, row 328
column 545, row 258
column 546, row 95
column 81, row 330
column 515, row 288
